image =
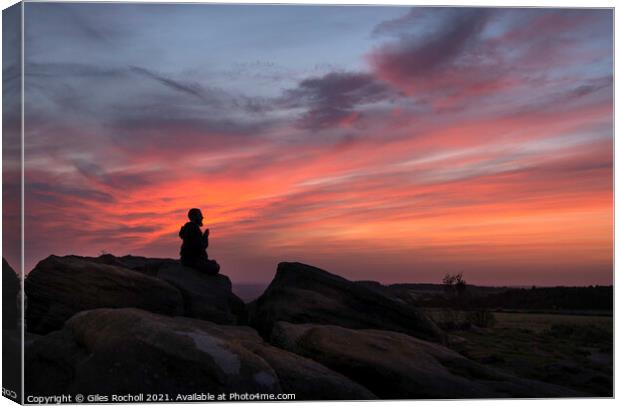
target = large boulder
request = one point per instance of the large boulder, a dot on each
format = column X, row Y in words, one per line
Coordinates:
column 59, row 287
column 397, row 366
column 112, row 351
column 207, row 297
column 301, row 293
column 11, row 288
column 308, row 379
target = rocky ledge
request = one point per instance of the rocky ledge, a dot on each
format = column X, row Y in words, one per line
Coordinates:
column 117, row 325
column 60, row 287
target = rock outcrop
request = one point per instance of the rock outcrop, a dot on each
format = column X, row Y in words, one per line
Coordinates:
column 111, row 351
column 11, row 287
column 301, row 293
column 139, row 325
column 206, row 297
column 59, row 287
column 397, row 366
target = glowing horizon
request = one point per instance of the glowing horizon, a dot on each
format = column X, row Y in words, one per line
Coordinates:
column 385, row 143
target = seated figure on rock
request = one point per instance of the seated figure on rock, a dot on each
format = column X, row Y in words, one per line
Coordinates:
column 195, row 243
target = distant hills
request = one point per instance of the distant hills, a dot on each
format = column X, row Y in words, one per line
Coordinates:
column 559, row 298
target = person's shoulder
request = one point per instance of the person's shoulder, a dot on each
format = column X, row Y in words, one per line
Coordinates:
column 190, row 225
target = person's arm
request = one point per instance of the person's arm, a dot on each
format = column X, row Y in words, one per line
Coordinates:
column 205, row 239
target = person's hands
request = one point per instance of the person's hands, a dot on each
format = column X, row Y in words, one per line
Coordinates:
column 206, row 234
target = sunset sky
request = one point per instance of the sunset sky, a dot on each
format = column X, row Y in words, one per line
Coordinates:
column 386, row 143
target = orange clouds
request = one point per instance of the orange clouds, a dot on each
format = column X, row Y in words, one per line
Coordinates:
column 445, row 200
column 457, row 146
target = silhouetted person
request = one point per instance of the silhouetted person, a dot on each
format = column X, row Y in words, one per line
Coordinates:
column 195, row 243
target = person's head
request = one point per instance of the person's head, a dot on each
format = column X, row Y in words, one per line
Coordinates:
column 195, row 215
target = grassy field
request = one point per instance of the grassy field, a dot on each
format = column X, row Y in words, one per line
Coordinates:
column 569, row 350
column 539, row 322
